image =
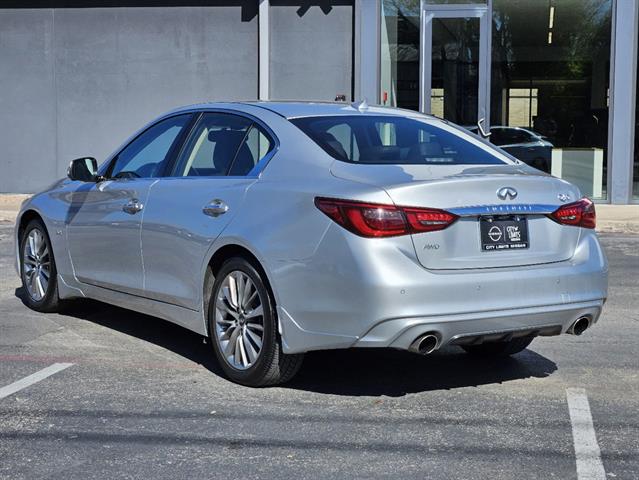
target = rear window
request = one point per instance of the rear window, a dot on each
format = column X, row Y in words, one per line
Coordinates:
column 392, row 140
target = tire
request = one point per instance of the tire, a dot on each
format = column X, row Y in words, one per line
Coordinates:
column 234, row 322
column 38, row 270
column 499, row 349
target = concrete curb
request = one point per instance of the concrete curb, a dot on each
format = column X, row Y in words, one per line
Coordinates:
column 610, row 218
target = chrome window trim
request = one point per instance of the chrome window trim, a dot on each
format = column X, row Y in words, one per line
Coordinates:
column 106, row 165
column 257, row 170
column 255, row 173
column 521, row 208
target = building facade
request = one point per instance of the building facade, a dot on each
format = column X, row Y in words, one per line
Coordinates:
column 555, row 81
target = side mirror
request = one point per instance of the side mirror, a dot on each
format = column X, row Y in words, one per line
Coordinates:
column 84, row 169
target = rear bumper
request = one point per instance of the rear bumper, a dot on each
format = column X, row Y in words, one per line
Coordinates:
column 462, row 329
column 357, row 292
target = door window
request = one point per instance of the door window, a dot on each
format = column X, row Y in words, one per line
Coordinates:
column 213, row 145
column 255, row 147
column 147, row 155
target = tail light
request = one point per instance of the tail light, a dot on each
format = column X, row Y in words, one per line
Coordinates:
column 577, row 214
column 378, row 220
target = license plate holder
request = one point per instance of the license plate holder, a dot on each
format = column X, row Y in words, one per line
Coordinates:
column 503, row 233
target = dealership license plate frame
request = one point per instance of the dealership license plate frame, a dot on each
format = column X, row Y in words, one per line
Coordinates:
column 503, row 233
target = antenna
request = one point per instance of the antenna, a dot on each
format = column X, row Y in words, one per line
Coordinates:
column 362, row 105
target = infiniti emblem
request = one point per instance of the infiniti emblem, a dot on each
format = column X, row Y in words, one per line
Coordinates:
column 507, row 192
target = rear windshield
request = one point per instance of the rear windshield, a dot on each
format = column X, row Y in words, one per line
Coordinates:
column 392, row 140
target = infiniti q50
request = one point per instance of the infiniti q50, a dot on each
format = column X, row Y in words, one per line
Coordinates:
column 280, row 228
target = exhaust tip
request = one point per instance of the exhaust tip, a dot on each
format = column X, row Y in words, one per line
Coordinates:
column 425, row 344
column 580, row 326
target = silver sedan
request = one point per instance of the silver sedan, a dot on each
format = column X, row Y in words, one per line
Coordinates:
column 280, row 228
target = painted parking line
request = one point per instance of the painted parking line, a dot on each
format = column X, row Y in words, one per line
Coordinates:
column 589, row 466
column 33, row 378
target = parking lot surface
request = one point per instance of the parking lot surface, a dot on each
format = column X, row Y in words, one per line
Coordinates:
column 143, row 398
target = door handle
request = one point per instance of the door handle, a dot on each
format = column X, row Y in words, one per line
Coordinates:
column 133, row 207
column 216, row 208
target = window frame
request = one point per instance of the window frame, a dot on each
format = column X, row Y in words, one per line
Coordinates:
column 259, row 166
column 109, row 165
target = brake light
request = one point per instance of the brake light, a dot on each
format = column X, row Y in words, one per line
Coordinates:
column 577, row 214
column 379, row 220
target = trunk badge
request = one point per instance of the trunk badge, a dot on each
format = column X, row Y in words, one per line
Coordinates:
column 563, row 197
column 507, row 192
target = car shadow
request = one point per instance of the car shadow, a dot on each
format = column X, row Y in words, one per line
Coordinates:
column 351, row 372
column 394, row 373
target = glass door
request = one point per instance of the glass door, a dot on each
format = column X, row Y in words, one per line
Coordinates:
column 454, row 63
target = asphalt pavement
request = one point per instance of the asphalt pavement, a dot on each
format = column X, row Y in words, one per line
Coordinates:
column 131, row 396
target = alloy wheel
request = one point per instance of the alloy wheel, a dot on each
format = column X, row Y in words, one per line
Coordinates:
column 36, row 262
column 239, row 320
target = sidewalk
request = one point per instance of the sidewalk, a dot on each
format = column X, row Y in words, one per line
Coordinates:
column 610, row 218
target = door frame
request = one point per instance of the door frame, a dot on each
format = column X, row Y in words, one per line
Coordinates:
column 428, row 12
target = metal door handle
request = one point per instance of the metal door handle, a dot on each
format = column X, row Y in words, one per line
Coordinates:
column 133, row 207
column 216, row 208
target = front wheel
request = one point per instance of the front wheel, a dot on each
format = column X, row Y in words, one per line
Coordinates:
column 37, row 269
column 243, row 328
column 499, row 349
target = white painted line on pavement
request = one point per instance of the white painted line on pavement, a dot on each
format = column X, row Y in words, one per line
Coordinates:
column 31, row 379
column 589, row 466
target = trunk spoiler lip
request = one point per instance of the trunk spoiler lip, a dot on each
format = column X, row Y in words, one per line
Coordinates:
column 518, row 208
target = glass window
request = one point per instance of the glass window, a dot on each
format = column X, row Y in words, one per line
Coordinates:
column 147, row 155
column 550, row 74
column 212, row 145
column 255, row 147
column 400, row 54
column 394, row 140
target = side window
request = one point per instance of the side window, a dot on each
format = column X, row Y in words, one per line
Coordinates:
column 146, row 156
column 255, row 147
column 212, row 146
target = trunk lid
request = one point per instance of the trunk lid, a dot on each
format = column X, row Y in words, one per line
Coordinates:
column 471, row 192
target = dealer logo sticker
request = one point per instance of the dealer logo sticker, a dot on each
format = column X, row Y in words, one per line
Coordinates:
column 514, row 234
column 495, row 233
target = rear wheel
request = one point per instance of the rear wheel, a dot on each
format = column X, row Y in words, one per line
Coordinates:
column 499, row 349
column 243, row 328
column 37, row 269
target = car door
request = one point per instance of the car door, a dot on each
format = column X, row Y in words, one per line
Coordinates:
column 189, row 209
column 105, row 218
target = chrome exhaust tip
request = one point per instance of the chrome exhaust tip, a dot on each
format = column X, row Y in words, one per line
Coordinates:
column 580, row 326
column 425, row 344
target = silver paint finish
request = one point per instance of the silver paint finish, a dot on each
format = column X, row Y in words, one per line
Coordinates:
column 332, row 289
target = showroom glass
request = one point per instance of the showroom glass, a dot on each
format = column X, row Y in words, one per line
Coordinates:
column 455, row 69
column 400, row 53
column 453, row 66
column 146, row 156
column 212, row 145
column 392, row 141
column 550, row 74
